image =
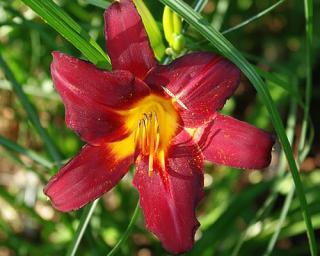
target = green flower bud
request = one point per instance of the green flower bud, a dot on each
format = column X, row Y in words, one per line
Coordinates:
column 172, row 26
column 152, row 29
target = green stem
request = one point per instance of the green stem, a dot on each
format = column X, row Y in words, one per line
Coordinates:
column 84, row 221
column 253, row 18
column 127, row 232
column 229, row 51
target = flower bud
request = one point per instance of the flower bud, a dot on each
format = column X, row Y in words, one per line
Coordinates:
column 152, row 29
column 172, row 26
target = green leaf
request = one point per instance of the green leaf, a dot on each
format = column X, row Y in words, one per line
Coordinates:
column 70, row 30
column 84, row 221
column 125, row 235
column 99, row 3
column 229, row 51
column 253, row 18
column 269, row 202
column 308, row 12
column 31, row 111
column 152, row 29
column 302, row 139
column 272, row 77
column 24, row 151
column 224, row 223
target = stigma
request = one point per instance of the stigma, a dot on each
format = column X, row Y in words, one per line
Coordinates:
column 147, row 137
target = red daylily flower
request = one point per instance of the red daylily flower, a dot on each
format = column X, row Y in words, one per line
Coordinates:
column 162, row 118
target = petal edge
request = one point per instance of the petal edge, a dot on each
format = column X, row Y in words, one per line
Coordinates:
column 94, row 171
column 169, row 199
column 234, row 143
column 127, row 41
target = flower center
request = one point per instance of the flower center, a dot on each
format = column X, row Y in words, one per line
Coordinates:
column 153, row 121
column 147, row 136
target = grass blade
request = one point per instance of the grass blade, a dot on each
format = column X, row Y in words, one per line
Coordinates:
column 222, row 8
column 229, row 51
column 84, row 221
column 225, row 222
column 253, row 18
column 24, row 151
column 98, row 3
column 127, row 232
column 287, row 86
column 70, row 30
column 308, row 90
column 31, row 111
column 281, row 220
column 152, row 29
column 302, row 142
column 291, row 124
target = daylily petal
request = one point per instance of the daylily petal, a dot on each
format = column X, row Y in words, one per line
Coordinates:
column 127, row 41
column 86, row 177
column 200, row 83
column 92, row 96
column 170, row 195
column 116, row 89
column 231, row 142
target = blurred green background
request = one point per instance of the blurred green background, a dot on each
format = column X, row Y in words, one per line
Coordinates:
column 241, row 211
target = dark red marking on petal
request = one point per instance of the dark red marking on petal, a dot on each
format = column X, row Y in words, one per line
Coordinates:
column 231, row 142
column 201, row 81
column 127, row 41
column 86, row 177
column 169, row 201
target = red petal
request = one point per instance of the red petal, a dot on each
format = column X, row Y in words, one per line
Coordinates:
column 234, row 143
column 90, row 96
column 116, row 89
column 86, row 177
column 127, row 41
column 201, row 81
column 169, row 197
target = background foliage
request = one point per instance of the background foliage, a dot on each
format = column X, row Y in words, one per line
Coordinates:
column 244, row 212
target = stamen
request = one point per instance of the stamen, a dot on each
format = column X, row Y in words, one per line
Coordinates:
column 156, row 132
column 147, row 137
column 150, row 169
column 157, row 139
column 161, row 158
column 137, row 134
column 144, row 139
column 146, row 122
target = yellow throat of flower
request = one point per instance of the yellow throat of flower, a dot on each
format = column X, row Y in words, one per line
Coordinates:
column 152, row 122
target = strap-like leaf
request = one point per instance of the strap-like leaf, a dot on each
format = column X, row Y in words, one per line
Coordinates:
column 70, row 30
column 229, row 51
